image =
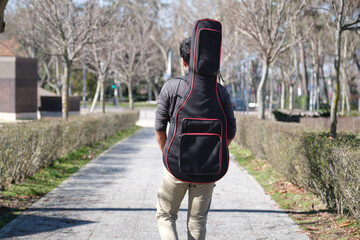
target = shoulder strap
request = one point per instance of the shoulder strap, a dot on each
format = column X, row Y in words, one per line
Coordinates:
column 177, row 88
column 220, row 94
column 176, row 98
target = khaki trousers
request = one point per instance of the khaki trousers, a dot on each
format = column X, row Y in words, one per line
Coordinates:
column 170, row 195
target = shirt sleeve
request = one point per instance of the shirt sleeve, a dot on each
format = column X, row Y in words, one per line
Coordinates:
column 229, row 112
column 162, row 111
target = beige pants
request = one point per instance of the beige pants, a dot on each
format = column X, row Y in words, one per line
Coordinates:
column 171, row 193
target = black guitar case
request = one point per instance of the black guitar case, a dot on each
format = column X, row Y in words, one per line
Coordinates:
column 196, row 149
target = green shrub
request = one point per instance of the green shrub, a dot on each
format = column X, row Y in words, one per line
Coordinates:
column 312, row 159
column 27, row 147
column 334, row 169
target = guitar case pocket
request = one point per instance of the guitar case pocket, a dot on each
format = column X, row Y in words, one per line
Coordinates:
column 200, row 146
column 200, row 153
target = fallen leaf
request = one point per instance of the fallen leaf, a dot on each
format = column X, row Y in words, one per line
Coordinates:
column 312, row 228
column 345, row 224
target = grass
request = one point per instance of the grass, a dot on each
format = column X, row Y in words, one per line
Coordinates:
column 138, row 105
column 16, row 199
column 302, row 206
column 353, row 113
column 141, row 104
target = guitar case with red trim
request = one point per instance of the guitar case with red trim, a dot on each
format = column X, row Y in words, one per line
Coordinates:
column 196, row 149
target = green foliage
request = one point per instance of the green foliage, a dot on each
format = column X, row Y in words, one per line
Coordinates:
column 77, row 83
column 311, row 159
column 27, row 147
column 301, row 102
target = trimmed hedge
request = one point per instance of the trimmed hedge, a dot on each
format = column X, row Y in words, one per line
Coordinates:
column 349, row 124
column 328, row 167
column 27, row 147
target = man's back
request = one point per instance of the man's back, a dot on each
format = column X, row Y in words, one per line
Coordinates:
column 202, row 124
column 174, row 89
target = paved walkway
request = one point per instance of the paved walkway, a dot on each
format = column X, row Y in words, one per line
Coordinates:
column 114, row 197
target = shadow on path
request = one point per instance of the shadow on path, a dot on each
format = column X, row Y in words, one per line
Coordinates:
column 42, row 224
column 181, row 210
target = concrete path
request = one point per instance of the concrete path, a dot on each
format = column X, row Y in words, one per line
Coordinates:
column 114, row 197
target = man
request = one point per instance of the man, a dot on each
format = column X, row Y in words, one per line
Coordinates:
column 172, row 190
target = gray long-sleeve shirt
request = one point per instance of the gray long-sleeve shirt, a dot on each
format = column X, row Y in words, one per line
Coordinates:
column 171, row 93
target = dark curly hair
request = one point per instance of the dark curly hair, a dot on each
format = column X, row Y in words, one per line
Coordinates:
column 185, row 47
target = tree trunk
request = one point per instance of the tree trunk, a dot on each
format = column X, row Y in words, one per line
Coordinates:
column 324, row 90
column 252, row 80
column 96, row 96
column 347, row 99
column 317, row 92
column 130, row 91
column 304, row 76
column 336, row 91
column 271, row 97
column 102, row 93
column 282, row 98
column 356, row 60
column 261, row 90
column 155, row 90
column 150, row 91
column 65, row 92
column 315, row 65
column 294, row 82
column 291, row 97
column 120, row 93
column 326, row 93
column 155, row 87
column 348, row 106
column 345, row 92
column 233, row 88
column 345, row 84
column 2, row 14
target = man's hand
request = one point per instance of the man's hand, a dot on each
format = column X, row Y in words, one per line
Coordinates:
column 161, row 139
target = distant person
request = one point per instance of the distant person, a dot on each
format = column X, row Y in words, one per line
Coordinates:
column 172, row 190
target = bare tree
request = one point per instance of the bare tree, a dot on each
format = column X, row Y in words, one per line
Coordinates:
column 51, row 67
column 285, row 70
column 266, row 23
column 347, row 16
column 63, row 29
column 316, row 36
column 23, row 31
column 160, row 62
column 153, row 70
column 136, row 45
column 322, row 38
column 99, row 53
